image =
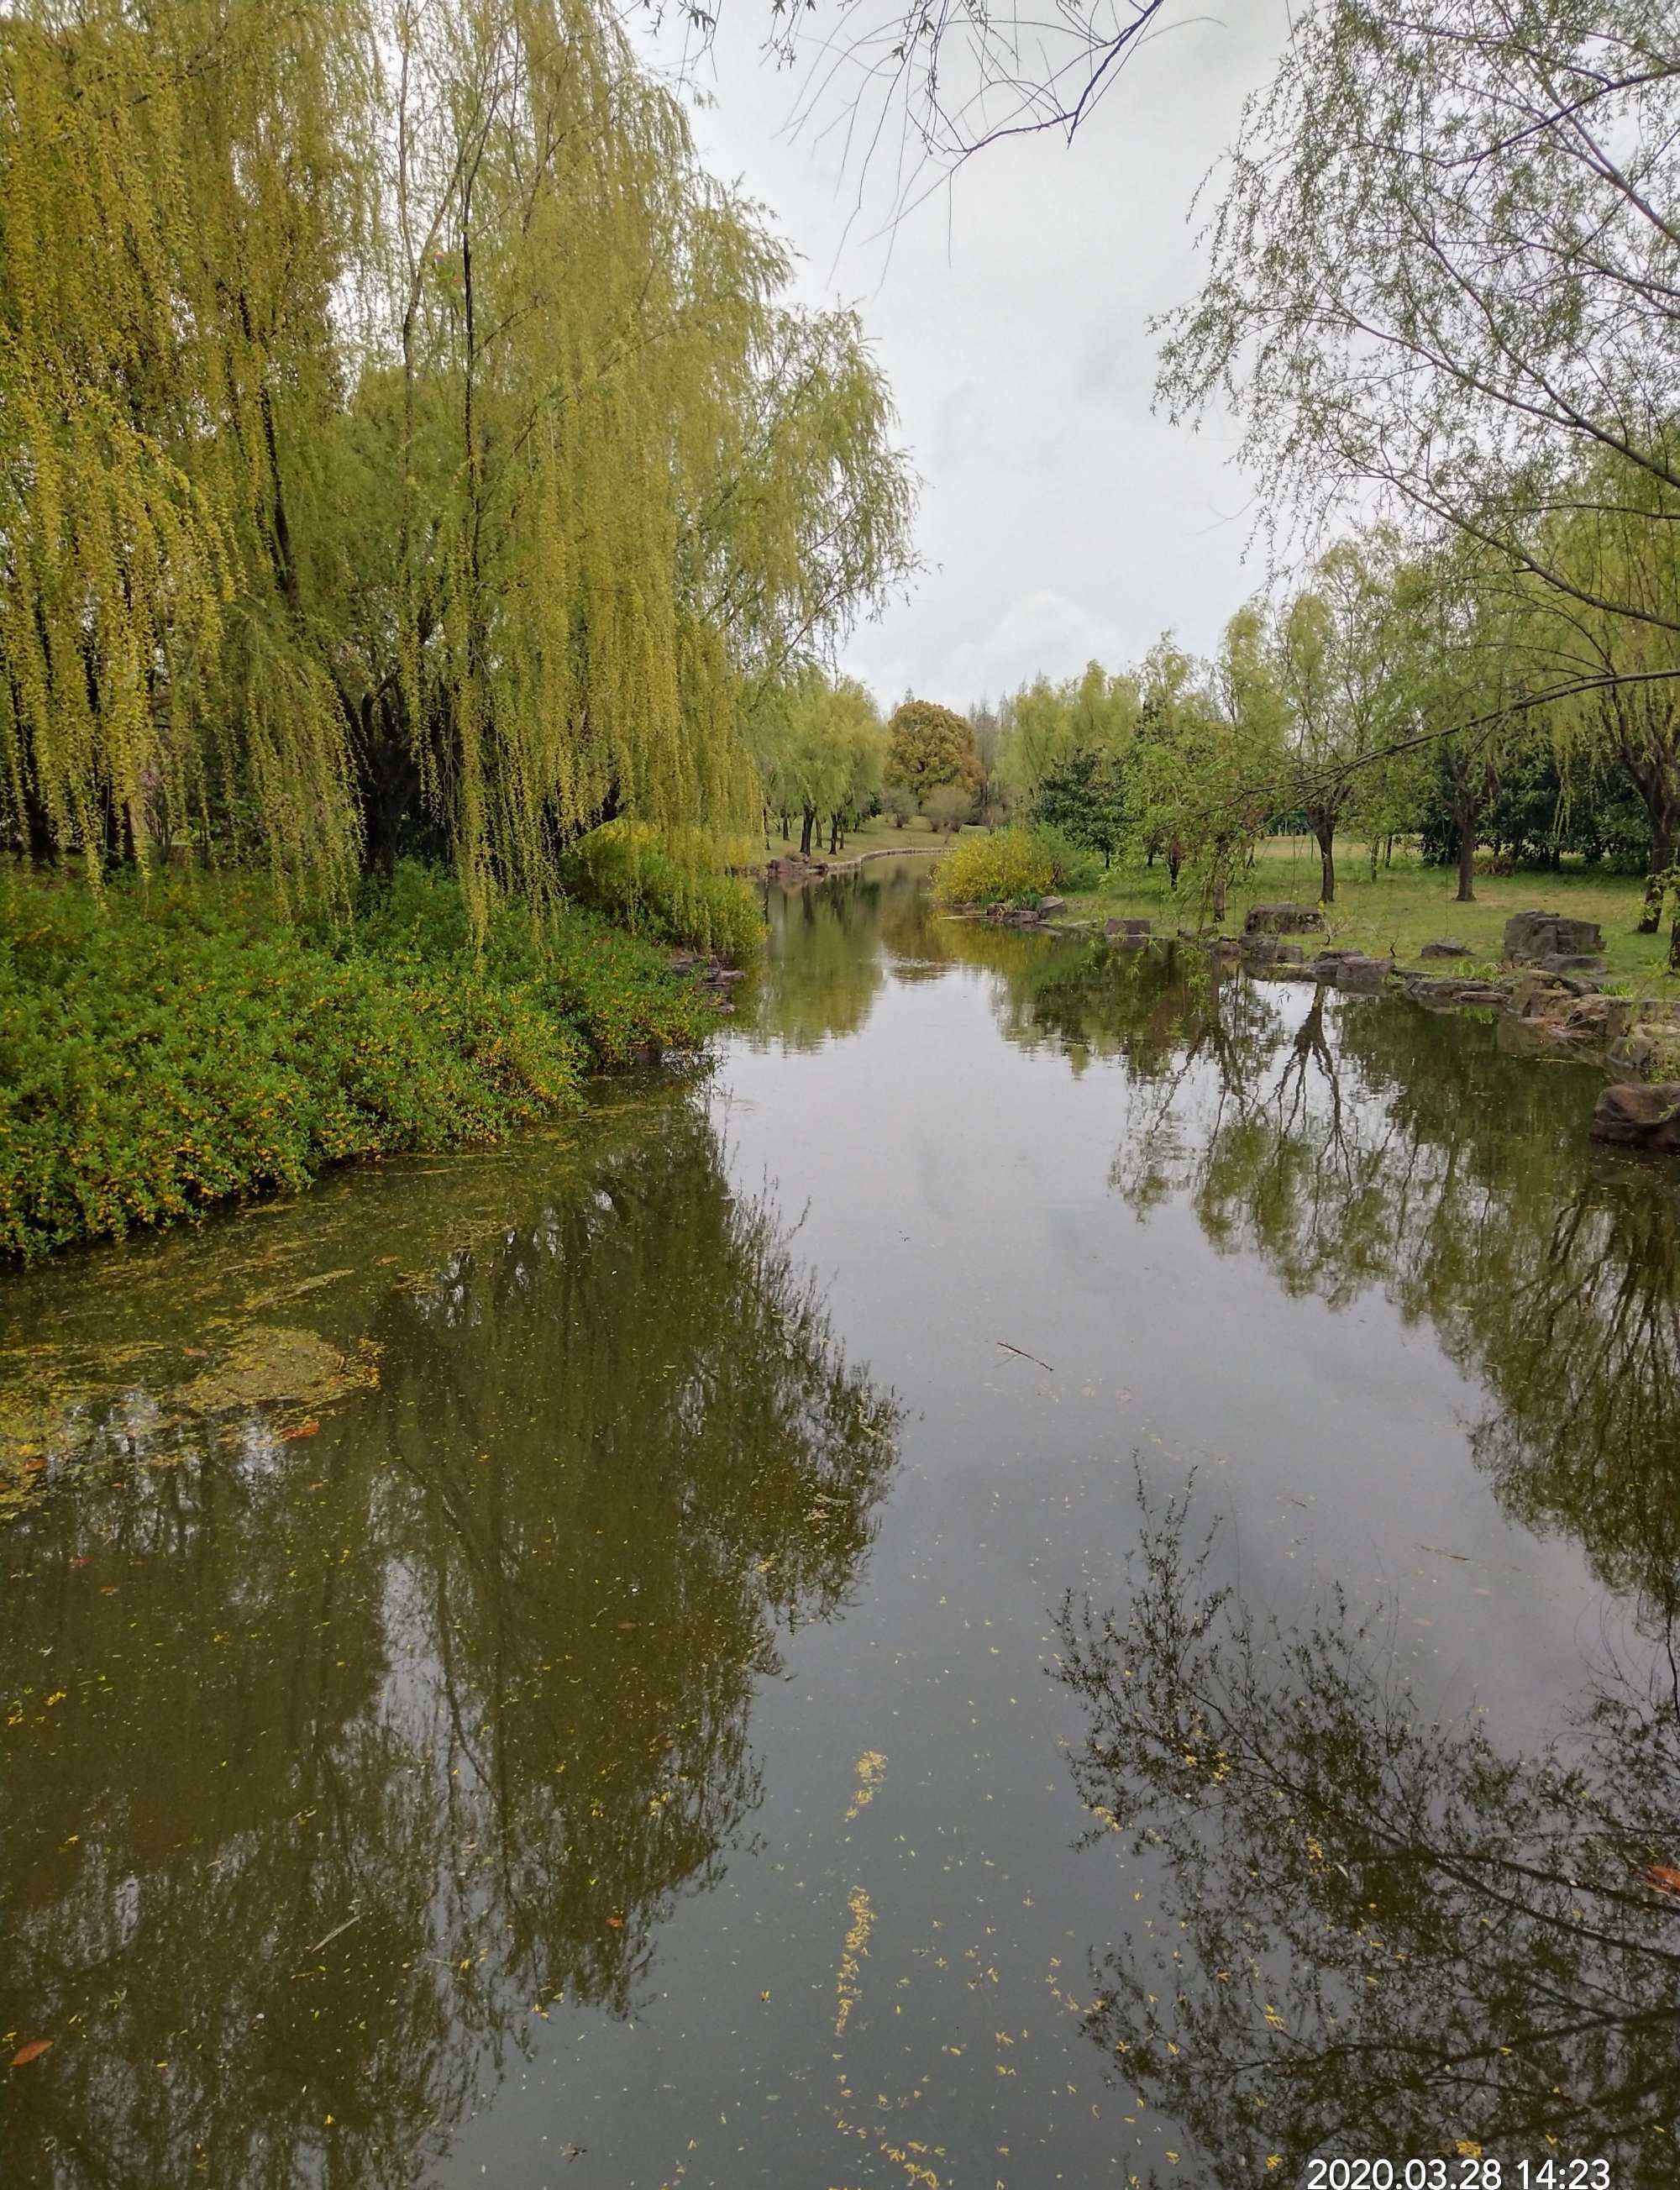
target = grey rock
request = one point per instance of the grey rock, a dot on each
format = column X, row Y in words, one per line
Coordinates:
column 1327, row 964
column 1444, row 950
column 1603, row 1019
column 1362, row 976
column 1533, row 937
column 1534, row 994
column 1425, row 989
column 1571, row 962
column 1644, row 1115
column 1443, row 992
column 1270, row 950
column 1128, row 930
column 1283, row 920
column 1648, row 1047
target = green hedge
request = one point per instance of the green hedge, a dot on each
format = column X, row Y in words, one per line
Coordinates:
column 181, row 1044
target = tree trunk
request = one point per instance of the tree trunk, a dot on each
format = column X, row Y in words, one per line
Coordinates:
column 808, row 824
column 1327, row 842
column 38, row 828
column 1467, row 852
column 1175, row 860
column 1662, row 856
column 833, row 834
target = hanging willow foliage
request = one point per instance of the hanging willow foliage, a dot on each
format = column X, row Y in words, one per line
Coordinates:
column 174, row 215
column 404, row 442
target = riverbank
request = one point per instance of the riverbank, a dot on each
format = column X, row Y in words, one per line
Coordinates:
column 184, row 1044
column 684, row 1540
column 794, row 869
column 875, row 840
column 1402, row 908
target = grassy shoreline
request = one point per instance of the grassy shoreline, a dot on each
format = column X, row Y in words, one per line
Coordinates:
column 184, row 1045
column 1404, row 907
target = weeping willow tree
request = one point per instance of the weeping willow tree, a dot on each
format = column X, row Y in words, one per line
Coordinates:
column 406, row 440
column 176, row 212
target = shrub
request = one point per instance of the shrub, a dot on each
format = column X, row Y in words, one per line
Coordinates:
column 615, row 991
column 1012, row 867
column 658, row 885
column 1075, row 866
column 182, row 1045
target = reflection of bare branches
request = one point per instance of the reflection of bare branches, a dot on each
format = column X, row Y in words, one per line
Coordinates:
column 1386, row 1928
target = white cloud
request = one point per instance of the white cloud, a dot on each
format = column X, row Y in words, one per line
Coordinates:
column 1061, row 519
column 1043, row 630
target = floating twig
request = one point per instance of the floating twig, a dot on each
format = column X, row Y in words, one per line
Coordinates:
column 1025, row 1355
column 333, row 1933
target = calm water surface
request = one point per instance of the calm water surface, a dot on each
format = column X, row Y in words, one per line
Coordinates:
column 1064, row 1574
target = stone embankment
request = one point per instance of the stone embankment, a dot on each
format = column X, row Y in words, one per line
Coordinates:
column 1551, row 990
column 794, row 868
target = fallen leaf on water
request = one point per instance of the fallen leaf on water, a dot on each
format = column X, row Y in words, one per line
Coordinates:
column 33, row 2052
column 616, row 1922
column 303, row 1429
column 1663, row 1875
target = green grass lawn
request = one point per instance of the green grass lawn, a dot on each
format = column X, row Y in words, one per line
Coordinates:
column 1406, row 906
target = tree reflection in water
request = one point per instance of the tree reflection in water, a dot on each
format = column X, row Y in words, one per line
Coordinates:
column 1355, row 1144
column 826, row 969
column 1383, row 1934
column 335, row 1763
column 1375, row 1931
column 1377, row 1146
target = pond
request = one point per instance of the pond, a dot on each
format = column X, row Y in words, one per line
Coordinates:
column 1063, row 1572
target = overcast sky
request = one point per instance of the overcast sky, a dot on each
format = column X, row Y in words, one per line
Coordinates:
column 1059, row 520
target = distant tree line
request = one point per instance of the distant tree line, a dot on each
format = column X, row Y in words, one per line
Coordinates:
column 1441, row 264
